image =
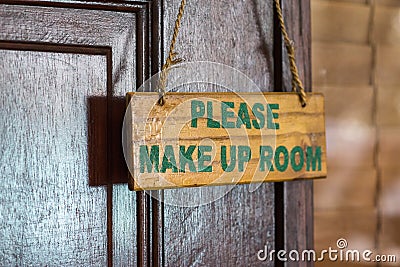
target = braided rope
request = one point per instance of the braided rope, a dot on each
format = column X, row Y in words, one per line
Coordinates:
column 171, row 60
column 297, row 85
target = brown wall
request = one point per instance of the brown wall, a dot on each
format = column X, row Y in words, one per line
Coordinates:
column 356, row 64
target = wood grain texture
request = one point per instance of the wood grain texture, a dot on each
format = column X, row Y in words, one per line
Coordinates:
column 171, row 126
column 243, row 220
column 76, row 28
column 230, row 231
column 298, row 195
column 226, row 232
column 235, row 33
column 89, row 28
column 47, row 203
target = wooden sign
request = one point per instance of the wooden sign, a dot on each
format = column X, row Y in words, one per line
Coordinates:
column 198, row 139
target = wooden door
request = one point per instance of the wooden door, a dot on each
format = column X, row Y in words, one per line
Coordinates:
column 65, row 67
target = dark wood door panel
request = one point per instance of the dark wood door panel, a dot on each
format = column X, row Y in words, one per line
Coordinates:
column 83, row 27
column 103, row 229
column 227, row 232
column 50, row 216
column 236, row 33
column 298, row 208
column 231, row 230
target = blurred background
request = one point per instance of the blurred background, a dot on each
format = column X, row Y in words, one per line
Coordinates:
column 356, row 64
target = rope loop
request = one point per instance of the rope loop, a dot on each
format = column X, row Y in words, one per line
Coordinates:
column 172, row 56
column 297, row 85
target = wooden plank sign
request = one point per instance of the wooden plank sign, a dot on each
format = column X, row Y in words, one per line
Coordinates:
column 198, row 139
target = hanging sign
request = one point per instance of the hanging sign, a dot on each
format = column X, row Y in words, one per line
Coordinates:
column 198, row 139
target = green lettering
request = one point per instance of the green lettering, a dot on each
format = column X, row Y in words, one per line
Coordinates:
column 271, row 116
column 266, row 159
column 227, row 114
column 281, row 150
column 185, row 157
column 313, row 158
column 211, row 123
column 297, row 150
column 244, row 155
column 202, row 158
column 232, row 162
column 197, row 109
column 151, row 160
column 169, row 161
column 243, row 116
column 260, row 121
